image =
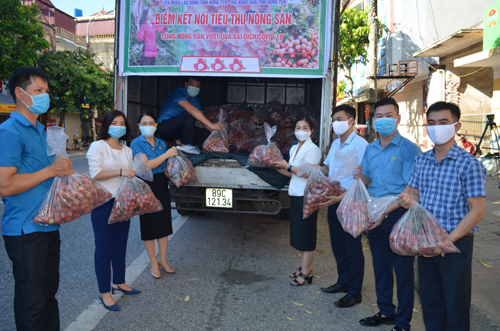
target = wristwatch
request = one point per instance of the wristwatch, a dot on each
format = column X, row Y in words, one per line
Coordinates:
column 385, row 215
column 289, row 169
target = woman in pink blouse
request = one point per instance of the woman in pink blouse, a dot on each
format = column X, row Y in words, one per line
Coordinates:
column 147, row 33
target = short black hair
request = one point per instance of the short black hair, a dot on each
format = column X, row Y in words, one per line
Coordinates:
column 196, row 78
column 387, row 101
column 23, row 77
column 441, row 105
column 146, row 113
column 106, row 123
column 306, row 119
column 347, row 109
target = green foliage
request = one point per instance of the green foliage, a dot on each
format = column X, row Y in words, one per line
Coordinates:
column 21, row 36
column 341, row 86
column 353, row 37
column 76, row 79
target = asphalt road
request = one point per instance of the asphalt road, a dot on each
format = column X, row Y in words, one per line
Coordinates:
column 232, row 274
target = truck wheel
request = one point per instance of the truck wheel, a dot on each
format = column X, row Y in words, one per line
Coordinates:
column 183, row 205
column 284, row 214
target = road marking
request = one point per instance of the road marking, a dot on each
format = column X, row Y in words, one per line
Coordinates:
column 91, row 316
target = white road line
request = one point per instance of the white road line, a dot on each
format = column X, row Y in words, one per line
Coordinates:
column 90, row 317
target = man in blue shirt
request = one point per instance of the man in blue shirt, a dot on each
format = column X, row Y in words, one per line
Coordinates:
column 26, row 174
column 348, row 251
column 451, row 184
column 386, row 166
column 179, row 114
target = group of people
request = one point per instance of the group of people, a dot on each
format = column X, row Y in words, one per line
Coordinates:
column 446, row 180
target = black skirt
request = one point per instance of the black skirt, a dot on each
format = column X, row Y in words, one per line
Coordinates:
column 303, row 232
column 158, row 225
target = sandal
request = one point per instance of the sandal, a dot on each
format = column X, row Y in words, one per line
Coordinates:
column 308, row 279
column 296, row 273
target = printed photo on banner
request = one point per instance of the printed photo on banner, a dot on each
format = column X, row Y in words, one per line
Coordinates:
column 225, row 36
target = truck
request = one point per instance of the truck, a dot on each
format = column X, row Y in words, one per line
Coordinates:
column 247, row 52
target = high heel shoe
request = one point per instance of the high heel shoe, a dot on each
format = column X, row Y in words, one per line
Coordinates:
column 295, row 275
column 112, row 307
column 154, row 275
column 113, row 291
column 168, row 272
column 308, row 279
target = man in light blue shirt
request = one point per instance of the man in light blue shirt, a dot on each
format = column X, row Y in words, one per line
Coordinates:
column 387, row 166
column 179, row 114
column 26, row 174
column 348, row 251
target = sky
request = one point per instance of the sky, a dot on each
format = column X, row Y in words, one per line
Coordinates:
column 89, row 7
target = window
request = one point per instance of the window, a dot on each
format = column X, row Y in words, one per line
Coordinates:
column 263, row 90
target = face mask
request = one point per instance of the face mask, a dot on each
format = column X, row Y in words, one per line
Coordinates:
column 385, row 126
column 147, row 131
column 302, row 135
column 116, row 131
column 41, row 103
column 192, row 91
column 340, row 127
column 441, row 134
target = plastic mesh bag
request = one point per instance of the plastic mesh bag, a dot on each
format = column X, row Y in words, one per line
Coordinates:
column 69, row 197
column 264, row 155
column 418, row 232
column 180, row 170
column 189, row 149
column 377, row 207
column 134, row 197
column 353, row 210
column 217, row 141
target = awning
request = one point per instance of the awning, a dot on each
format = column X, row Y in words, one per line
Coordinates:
column 6, row 104
column 487, row 58
column 455, row 42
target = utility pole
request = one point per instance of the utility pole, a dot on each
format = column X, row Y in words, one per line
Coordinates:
column 373, row 62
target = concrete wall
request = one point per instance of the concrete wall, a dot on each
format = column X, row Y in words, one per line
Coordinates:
column 105, row 50
column 410, row 102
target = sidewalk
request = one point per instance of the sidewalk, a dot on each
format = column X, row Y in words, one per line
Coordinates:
column 486, row 258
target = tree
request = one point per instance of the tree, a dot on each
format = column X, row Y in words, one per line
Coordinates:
column 353, row 37
column 76, row 78
column 21, row 36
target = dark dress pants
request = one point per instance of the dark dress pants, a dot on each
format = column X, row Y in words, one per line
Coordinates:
column 35, row 265
column 182, row 127
column 110, row 247
column 348, row 252
column 385, row 263
column 445, row 288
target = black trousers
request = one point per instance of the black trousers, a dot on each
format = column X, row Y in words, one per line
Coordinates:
column 35, row 265
column 348, row 252
column 385, row 264
column 182, row 127
column 445, row 288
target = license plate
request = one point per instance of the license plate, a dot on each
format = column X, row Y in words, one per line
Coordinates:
column 219, row 197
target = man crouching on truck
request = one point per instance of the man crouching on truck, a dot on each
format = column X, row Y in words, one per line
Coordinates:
column 179, row 113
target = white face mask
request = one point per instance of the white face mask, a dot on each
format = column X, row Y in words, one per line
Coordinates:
column 340, row 127
column 441, row 134
column 192, row 91
column 302, row 135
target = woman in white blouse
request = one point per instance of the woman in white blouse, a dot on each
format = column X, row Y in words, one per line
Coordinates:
column 302, row 231
column 109, row 163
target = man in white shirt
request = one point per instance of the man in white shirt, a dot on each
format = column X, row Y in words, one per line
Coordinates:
column 348, row 251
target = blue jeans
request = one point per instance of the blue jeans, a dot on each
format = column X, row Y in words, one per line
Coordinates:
column 110, row 247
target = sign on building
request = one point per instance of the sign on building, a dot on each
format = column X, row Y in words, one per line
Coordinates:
column 491, row 27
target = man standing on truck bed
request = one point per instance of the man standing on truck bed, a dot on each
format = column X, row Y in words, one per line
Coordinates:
column 179, row 114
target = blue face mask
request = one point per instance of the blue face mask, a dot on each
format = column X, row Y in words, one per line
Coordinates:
column 116, row 131
column 147, row 131
column 192, row 91
column 385, row 126
column 41, row 103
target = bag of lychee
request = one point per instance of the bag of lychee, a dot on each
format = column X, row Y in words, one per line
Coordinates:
column 353, row 211
column 318, row 188
column 69, row 197
column 418, row 232
column 135, row 197
column 180, row 170
column 217, row 141
column 264, row 155
column 377, row 206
